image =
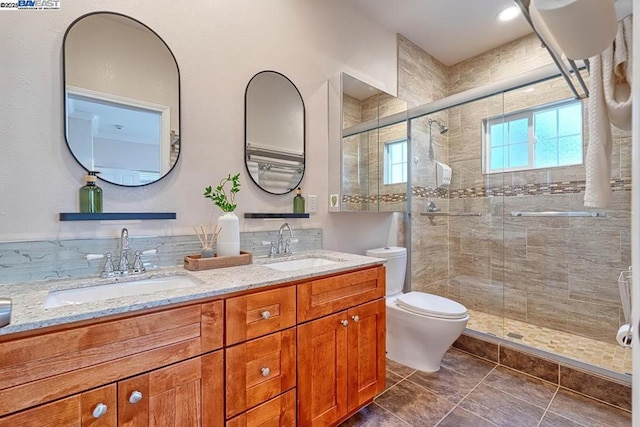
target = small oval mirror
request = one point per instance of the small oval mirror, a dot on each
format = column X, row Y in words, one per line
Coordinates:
column 122, row 99
column 274, row 132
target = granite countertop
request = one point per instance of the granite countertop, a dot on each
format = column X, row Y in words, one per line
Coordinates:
column 28, row 299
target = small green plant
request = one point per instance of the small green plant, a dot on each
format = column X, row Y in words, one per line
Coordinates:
column 219, row 196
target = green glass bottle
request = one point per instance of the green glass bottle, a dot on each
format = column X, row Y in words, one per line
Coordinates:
column 91, row 195
column 298, row 202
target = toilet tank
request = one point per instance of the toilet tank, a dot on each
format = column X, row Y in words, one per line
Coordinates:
column 396, row 266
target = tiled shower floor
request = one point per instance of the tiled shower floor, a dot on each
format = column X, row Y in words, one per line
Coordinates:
column 471, row 392
column 598, row 353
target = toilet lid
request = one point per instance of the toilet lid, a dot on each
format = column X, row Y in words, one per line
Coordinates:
column 431, row 305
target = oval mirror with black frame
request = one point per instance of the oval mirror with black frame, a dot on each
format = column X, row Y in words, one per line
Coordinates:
column 122, row 99
column 274, row 132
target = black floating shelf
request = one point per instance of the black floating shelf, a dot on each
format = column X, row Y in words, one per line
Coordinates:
column 275, row 215
column 105, row 216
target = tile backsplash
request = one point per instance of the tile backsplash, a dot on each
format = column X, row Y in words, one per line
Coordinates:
column 56, row 259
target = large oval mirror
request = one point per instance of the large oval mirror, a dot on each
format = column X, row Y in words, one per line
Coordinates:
column 122, row 99
column 274, row 132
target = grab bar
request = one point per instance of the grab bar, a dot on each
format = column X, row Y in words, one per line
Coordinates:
column 450, row 213
column 564, row 214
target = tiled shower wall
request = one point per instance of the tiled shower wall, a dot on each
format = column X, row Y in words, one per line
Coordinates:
column 557, row 272
column 363, row 156
column 423, row 79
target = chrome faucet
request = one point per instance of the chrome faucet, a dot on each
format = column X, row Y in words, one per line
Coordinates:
column 283, row 246
column 123, row 265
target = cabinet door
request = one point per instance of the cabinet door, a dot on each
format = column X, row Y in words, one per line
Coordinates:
column 74, row 411
column 179, row 395
column 366, row 349
column 99, row 407
column 322, row 370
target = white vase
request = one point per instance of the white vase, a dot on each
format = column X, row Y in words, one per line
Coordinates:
column 228, row 243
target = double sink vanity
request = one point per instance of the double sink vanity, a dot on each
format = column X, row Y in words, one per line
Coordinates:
column 286, row 341
column 291, row 341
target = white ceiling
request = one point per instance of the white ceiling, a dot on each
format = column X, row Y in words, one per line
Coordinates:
column 449, row 30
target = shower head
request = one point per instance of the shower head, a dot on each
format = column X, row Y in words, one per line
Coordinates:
column 442, row 125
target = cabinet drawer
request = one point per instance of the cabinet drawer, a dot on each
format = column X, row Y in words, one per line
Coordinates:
column 73, row 411
column 259, row 369
column 278, row 412
column 259, row 314
column 325, row 296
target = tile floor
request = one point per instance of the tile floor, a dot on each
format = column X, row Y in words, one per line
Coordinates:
column 605, row 355
column 469, row 391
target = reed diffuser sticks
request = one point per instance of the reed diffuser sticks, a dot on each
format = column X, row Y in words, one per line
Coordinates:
column 207, row 240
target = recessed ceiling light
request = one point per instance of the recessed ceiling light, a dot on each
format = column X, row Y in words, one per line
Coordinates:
column 508, row 13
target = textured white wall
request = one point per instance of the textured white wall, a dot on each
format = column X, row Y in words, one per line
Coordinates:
column 219, row 46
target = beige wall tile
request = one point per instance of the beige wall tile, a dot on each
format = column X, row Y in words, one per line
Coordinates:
column 548, row 271
column 515, row 304
column 596, row 285
column 595, row 321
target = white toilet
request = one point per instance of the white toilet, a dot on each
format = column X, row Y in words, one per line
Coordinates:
column 420, row 327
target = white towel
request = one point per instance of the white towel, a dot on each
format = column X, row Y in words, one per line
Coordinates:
column 609, row 103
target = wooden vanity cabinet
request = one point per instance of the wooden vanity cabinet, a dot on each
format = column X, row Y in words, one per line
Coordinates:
column 341, row 357
column 66, row 363
column 305, row 353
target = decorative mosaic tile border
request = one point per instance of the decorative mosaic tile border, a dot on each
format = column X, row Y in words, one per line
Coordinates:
column 545, row 189
column 384, row 198
column 565, row 187
column 431, row 193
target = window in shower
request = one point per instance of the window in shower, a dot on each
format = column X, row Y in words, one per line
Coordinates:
column 395, row 162
column 540, row 137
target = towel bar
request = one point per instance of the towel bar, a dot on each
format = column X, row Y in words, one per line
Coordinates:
column 571, row 214
column 450, row 214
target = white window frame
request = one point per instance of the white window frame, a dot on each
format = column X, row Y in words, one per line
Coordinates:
column 386, row 164
column 529, row 114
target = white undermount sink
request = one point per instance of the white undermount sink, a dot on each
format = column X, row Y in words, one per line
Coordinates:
column 118, row 290
column 299, row 264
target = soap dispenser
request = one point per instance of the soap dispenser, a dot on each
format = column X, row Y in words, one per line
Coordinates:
column 91, row 194
column 298, row 202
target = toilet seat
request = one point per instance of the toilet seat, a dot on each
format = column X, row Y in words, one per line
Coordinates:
column 431, row 305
